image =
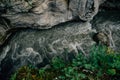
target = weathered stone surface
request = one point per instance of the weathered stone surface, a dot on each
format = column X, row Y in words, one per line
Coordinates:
column 111, row 5
column 17, row 5
column 2, row 34
column 4, row 27
column 38, row 47
column 85, row 9
column 109, row 23
column 44, row 14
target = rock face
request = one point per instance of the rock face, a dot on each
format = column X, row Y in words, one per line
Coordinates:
column 4, row 26
column 109, row 23
column 46, row 13
column 2, row 33
column 54, row 32
column 43, row 14
column 38, row 47
column 111, row 5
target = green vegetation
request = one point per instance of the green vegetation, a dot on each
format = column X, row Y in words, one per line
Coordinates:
column 99, row 65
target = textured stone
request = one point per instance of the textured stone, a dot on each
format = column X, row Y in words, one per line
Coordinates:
column 44, row 14
column 2, row 34
column 4, row 27
column 109, row 23
column 85, row 9
column 111, row 5
column 38, row 47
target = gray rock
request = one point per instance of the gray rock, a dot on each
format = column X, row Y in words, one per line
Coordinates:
column 38, row 47
column 4, row 26
column 109, row 23
column 111, row 5
column 85, row 9
column 2, row 33
column 44, row 14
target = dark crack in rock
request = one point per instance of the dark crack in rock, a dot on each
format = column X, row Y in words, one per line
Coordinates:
column 109, row 23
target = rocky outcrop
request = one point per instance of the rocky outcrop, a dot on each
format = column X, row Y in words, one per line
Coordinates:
column 108, row 22
column 64, row 38
column 111, row 5
column 38, row 47
column 44, row 14
column 4, row 27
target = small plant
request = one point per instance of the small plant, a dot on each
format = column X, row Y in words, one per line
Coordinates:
column 99, row 65
column 57, row 63
column 13, row 77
